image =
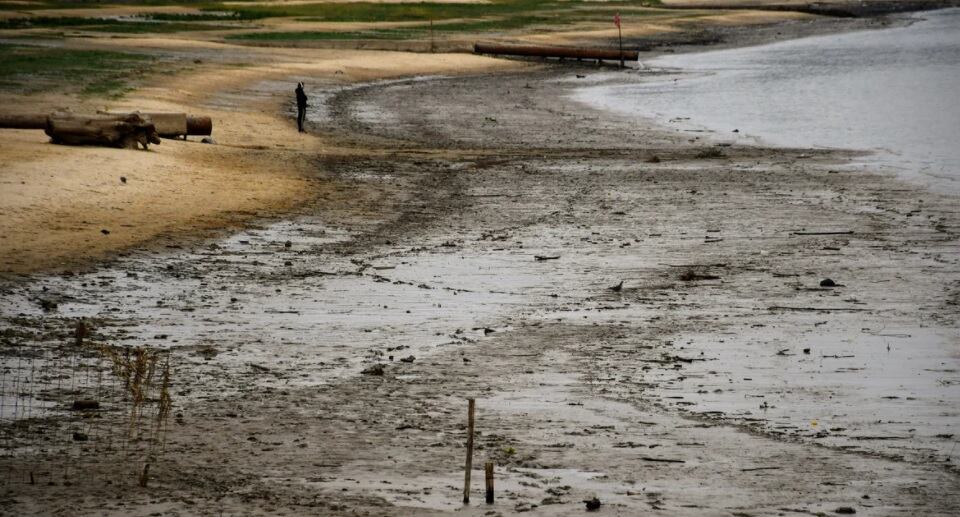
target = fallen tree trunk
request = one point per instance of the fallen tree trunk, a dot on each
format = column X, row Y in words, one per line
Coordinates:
column 127, row 131
column 172, row 125
column 168, row 125
column 23, row 121
column 599, row 54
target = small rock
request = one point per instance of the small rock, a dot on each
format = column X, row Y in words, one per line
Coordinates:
column 845, row 510
column 105, row 231
column 47, row 305
column 123, row 179
column 208, row 140
column 826, row 282
column 85, row 405
column 806, row 350
column 592, row 504
column 287, row 244
column 408, row 359
column 79, row 437
column 653, row 159
column 376, row 369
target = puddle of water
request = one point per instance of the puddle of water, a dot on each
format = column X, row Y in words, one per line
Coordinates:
column 876, row 387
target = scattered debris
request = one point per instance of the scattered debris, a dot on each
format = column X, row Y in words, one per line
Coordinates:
column 85, row 405
column 844, row 232
column 690, row 275
column 376, row 369
column 661, row 460
column 592, row 504
column 826, row 282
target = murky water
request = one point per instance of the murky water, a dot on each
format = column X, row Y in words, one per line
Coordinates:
column 893, row 91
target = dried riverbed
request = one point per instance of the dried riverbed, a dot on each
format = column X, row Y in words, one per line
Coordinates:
column 486, row 226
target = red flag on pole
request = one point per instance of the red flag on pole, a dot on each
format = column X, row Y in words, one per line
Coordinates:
column 616, row 20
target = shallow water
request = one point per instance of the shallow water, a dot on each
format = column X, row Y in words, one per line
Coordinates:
column 893, row 91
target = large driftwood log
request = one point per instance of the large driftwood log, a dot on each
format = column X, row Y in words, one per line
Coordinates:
column 127, row 131
column 23, row 121
column 168, row 125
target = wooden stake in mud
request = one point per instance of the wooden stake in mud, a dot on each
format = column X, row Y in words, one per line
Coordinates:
column 616, row 21
column 488, row 471
column 144, row 476
column 466, row 473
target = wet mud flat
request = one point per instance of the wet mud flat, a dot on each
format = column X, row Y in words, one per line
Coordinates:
column 479, row 227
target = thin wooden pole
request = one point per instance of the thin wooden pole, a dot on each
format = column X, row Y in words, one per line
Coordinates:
column 620, row 34
column 466, row 474
column 488, row 471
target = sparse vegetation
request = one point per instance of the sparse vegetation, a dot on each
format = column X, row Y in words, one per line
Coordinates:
column 32, row 69
column 107, row 24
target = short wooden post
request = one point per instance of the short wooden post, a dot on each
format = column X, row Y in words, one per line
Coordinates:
column 144, row 476
column 466, row 474
column 488, row 470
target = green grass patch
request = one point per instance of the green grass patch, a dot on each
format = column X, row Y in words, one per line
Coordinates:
column 380, row 12
column 373, row 34
column 106, row 25
column 148, row 27
column 31, row 69
column 545, row 17
column 194, row 17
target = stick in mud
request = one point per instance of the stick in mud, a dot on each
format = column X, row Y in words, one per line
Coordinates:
column 488, row 472
column 466, row 472
column 144, row 476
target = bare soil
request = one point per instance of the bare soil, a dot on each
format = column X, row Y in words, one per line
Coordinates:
column 477, row 225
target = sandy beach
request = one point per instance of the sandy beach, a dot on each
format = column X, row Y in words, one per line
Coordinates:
column 638, row 311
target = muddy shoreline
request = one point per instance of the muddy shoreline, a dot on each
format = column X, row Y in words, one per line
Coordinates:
column 582, row 390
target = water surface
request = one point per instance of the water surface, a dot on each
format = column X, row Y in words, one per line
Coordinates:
column 893, row 91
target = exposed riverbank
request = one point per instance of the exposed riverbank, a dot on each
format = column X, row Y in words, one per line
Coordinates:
column 479, row 238
column 577, row 385
column 261, row 166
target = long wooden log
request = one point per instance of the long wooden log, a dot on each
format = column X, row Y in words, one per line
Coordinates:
column 128, row 131
column 169, row 125
column 553, row 51
column 23, row 121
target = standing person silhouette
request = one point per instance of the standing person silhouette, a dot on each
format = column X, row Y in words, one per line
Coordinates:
column 301, row 107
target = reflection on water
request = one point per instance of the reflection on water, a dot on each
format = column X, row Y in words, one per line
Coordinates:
column 892, row 90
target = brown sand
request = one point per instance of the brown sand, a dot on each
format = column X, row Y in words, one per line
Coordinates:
column 56, row 199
